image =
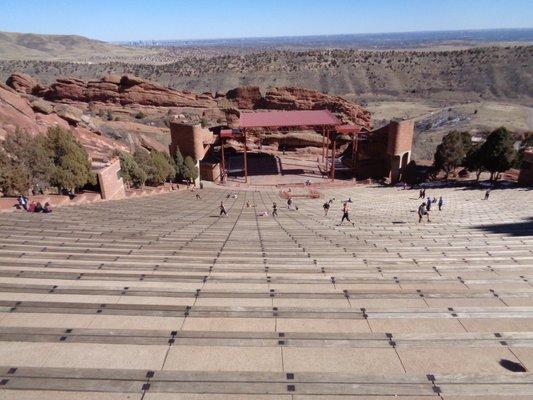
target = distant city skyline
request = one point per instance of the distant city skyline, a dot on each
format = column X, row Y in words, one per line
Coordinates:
column 123, row 20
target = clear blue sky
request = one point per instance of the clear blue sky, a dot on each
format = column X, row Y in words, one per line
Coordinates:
column 115, row 20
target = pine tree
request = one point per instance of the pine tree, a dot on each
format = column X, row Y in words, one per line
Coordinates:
column 191, row 171
column 14, row 178
column 180, row 165
column 163, row 167
column 72, row 168
column 452, row 151
column 474, row 161
column 498, row 153
column 131, row 173
column 144, row 161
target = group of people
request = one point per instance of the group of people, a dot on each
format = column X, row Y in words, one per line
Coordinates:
column 345, row 210
column 31, row 206
column 425, row 207
column 423, row 210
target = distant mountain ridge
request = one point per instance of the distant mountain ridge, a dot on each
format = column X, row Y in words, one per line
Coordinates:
column 31, row 46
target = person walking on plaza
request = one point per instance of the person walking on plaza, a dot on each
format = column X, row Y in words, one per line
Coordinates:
column 428, row 204
column 487, row 194
column 326, row 207
column 274, row 210
column 222, row 209
column 346, row 214
column 289, row 202
column 422, row 211
column 441, row 203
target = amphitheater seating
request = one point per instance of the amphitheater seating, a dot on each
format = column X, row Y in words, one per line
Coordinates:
column 157, row 298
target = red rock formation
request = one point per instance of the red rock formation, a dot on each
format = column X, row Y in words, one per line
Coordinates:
column 128, row 90
column 16, row 112
column 23, row 83
column 245, row 97
column 289, row 98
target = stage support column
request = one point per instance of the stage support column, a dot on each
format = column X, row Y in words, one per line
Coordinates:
column 323, row 144
column 245, row 160
column 327, row 150
column 223, row 159
column 333, row 159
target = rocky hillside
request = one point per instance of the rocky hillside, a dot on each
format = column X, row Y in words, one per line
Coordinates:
column 473, row 74
column 122, row 112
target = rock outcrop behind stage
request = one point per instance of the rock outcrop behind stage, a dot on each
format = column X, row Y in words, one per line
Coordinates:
column 126, row 111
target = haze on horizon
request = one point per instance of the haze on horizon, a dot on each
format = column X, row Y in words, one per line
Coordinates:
column 122, row 20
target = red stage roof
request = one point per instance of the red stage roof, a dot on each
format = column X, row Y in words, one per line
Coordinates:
column 276, row 119
column 347, row 129
column 229, row 133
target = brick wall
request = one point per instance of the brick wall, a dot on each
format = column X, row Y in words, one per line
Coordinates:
column 192, row 140
column 210, row 171
column 400, row 137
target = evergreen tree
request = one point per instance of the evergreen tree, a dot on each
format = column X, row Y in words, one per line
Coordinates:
column 163, row 167
column 72, row 168
column 474, row 161
column 452, row 151
column 180, row 165
column 41, row 163
column 14, row 178
column 131, row 173
column 144, row 161
column 191, row 171
column 28, row 162
column 498, row 153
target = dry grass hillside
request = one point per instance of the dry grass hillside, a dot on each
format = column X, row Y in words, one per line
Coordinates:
column 31, row 46
column 481, row 73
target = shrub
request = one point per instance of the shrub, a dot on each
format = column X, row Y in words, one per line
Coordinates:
column 71, row 166
column 14, row 178
column 130, row 171
column 452, row 151
column 191, row 171
column 163, row 167
column 158, row 166
column 179, row 163
column 497, row 153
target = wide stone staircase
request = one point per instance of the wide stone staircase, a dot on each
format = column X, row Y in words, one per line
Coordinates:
column 158, row 298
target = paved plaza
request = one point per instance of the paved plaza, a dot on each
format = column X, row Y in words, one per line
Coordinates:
column 157, row 298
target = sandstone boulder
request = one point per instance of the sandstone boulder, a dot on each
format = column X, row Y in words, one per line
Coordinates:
column 22, row 83
column 42, row 106
column 70, row 114
column 16, row 112
column 245, row 97
column 111, row 79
